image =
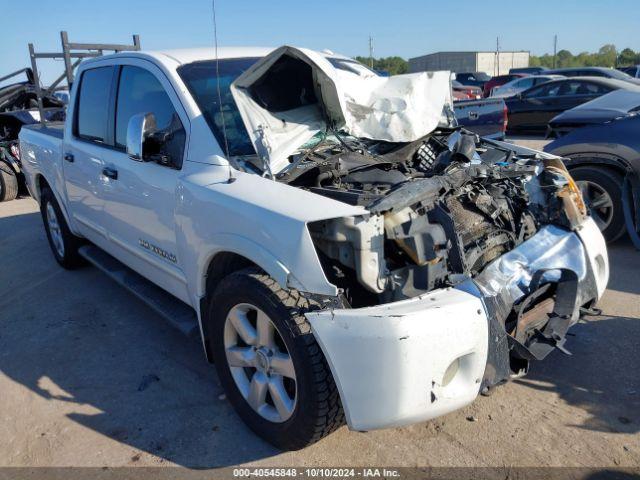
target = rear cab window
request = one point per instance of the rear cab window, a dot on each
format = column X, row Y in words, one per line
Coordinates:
column 92, row 108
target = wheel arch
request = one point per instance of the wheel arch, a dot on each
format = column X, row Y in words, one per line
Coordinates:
column 40, row 183
column 223, row 262
column 606, row 161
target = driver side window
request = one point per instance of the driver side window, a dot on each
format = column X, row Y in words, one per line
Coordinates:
column 139, row 91
column 543, row 91
column 526, row 82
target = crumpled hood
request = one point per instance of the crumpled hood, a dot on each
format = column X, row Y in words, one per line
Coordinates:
column 293, row 93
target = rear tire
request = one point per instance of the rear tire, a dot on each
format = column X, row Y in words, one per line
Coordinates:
column 602, row 189
column 8, row 183
column 313, row 409
column 63, row 243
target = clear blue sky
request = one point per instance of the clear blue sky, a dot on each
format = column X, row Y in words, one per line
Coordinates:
column 406, row 28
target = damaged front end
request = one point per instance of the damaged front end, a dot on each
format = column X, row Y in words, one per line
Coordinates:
column 441, row 209
column 452, row 210
column 471, row 263
column 473, row 257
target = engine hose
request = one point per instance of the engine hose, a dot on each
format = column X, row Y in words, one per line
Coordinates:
column 631, row 208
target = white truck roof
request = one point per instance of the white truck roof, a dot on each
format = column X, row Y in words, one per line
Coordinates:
column 197, row 54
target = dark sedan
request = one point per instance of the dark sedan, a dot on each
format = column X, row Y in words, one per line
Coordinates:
column 599, row 157
column 594, row 72
column 612, row 106
column 531, row 110
column 529, row 70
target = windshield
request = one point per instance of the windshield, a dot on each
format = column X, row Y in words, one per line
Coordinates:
column 351, row 66
column 200, row 78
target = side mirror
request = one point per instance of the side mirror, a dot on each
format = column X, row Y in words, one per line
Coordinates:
column 139, row 128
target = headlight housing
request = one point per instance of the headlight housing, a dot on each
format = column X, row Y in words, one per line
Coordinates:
column 574, row 206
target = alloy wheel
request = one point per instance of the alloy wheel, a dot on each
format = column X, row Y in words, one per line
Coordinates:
column 260, row 363
column 599, row 202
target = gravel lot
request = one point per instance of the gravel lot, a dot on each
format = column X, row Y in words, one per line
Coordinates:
column 89, row 376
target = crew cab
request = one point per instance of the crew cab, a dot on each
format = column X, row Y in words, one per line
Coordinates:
column 343, row 250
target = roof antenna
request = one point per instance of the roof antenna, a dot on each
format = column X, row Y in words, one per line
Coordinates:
column 224, row 126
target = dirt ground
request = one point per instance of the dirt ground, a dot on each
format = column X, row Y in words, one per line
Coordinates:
column 90, row 376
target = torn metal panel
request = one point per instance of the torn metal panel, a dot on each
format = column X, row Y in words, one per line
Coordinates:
column 550, row 250
column 293, row 93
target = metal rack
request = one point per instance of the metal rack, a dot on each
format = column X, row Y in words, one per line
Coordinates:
column 72, row 54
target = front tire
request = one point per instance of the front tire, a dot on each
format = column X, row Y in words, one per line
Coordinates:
column 269, row 362
column 602, row 192
column 64, row 244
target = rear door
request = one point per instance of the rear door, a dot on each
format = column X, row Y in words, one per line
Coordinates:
column 86, row 135
column 140, row 198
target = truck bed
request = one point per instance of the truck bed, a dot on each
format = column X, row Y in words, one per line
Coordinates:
column 485, row 117
column 54, row 129
column 41, row 148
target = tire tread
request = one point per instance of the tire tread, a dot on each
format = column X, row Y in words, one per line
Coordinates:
column 330, row 414
column 323, row 406
column 9, row 181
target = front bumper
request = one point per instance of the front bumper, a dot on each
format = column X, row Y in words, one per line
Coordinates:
column 421, row 358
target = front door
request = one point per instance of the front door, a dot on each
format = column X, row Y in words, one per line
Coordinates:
column 140, row 198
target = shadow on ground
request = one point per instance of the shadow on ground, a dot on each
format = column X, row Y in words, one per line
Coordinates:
column 116, row 368
column 113, row 365
column 601, row 376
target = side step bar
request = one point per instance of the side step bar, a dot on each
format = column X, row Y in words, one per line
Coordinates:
column 177, row 313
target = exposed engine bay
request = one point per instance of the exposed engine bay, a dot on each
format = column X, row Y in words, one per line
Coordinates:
column 442, row 208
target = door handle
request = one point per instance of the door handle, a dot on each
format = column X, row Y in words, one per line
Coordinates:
column 69, row 157
column 110, row 173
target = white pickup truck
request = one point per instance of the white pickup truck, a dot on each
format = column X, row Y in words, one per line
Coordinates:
column 343, row 251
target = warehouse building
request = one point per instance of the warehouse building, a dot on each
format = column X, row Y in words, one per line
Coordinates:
column 488, row 62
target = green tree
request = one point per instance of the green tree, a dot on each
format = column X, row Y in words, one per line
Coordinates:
column 607, row 55
column 628, row 57
column 564, row 59
column 392, row 65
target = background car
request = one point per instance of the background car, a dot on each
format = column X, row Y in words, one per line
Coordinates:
column 500, row 80
column 529, row 70
column 531, row 110
column 612, row 106
column 593, row 72
column 465, row 92
column 521, row 84
column 633, row 71
column 477, row 79
column 598, row 158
